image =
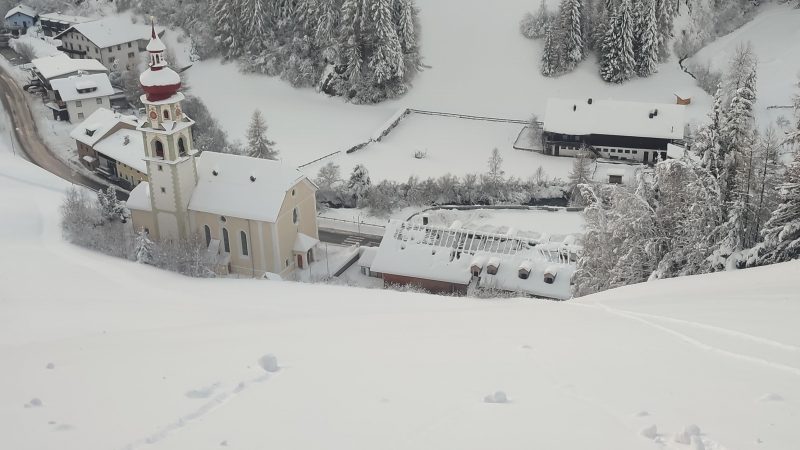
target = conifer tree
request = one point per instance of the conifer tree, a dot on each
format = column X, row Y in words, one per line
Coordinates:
column 646, row 38
column 579, row 175
column 259, row 146
column 665, row 12
column 617, row 60
column 540, row 21
column 572, row 39
column 386, row 61
column 550, row 56
column 782, row 232
column 143, row 248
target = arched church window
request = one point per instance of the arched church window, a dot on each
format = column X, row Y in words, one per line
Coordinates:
column 245, row 250
column 159, row 148
column 166, row 114
column 208, row 235
column 225, row 242
column 181, row 147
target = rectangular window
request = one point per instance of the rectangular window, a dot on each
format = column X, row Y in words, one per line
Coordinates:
column 160, row 168
column 99, row 101
column 78, row 103
column 129, row 45
column 130, row 55
column 111, row 60
column 163, row 190
column 119, row 47
column 80, row 115
column 615, row 179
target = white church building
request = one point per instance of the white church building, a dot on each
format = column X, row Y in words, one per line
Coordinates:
column 255, row 215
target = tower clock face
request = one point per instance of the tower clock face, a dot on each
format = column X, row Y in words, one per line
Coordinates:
column 153, row 115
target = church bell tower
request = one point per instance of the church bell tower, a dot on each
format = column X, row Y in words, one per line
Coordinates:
column 169, row 151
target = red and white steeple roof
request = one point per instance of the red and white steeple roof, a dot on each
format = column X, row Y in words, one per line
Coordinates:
column 158, row 81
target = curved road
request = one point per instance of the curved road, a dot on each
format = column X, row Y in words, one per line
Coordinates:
column 27, row 136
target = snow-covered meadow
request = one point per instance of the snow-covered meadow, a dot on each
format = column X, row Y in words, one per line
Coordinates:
column 108, row 354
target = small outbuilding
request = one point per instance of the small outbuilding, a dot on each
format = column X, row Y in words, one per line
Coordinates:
column 20, row 17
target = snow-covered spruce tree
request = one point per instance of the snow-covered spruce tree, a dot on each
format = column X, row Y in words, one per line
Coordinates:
column 782, row 232
column 386, row 60
column 646, row 38
column 573, row 44
column 707, row 141
column 110, row 207
column 665, row 11
column 144, row 248
column 617, row 61
column 259, row 146
column 326, row 23
column 359, row 183
column 225, row 18
column 550, row 64
column 581, row 174
column 253, row 16
column 688, row 213
column 594, row 267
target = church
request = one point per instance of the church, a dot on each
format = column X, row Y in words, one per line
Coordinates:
column 255, row 215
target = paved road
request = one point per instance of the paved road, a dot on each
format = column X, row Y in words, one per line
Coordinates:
column 26, row 135
column 344, row 238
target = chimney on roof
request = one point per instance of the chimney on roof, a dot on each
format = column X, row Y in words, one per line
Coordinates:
column 589, row 101
column 252, row 178
column 574, row 107
column 655, row 112
column 650, row 115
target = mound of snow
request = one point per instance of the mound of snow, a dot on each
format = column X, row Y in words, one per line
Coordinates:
column 497, row 397
column 269, row 363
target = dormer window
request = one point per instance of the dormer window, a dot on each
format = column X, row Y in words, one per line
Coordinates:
column 90, row 132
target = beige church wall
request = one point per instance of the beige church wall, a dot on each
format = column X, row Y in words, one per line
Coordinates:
column 144, row 219
column 257, row 261
column 305, row 202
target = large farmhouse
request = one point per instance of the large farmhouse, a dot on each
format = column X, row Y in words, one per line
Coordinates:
column 114, row 41
column 255, row 215
column 617, row 130
column 453, row 260
column 53, row 24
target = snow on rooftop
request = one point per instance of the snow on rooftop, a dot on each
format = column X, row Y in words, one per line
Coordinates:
column 447, row 255
column 125, row 146
column 98, row 124
column 22, row 9
column 243, row 187
column 163, row 77
column 140, row 197
column 619, row 118
column 98, row 85
column 113, row 30
column 367, row 256
column 64, row 18
column 59, row 65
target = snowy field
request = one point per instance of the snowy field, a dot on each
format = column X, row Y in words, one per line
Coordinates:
column 451, row 145
column 113, row 355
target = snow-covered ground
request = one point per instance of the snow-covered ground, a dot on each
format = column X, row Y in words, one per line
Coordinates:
column 108, row 354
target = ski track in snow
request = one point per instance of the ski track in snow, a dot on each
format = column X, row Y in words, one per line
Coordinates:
column 699, row 344
column 216, row 402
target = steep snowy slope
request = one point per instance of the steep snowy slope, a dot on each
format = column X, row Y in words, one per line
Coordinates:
column 99, row 353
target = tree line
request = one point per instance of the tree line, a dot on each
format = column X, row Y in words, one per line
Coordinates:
column 730, row 203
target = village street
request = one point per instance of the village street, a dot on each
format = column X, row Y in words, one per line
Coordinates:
column 30, row 143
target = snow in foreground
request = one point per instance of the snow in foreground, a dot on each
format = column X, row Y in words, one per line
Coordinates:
column 102, row 354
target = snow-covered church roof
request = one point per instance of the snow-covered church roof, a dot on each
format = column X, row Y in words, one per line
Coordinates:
column 243, row 187
column 617, row 118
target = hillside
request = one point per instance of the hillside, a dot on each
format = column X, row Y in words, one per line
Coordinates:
column 100, row 353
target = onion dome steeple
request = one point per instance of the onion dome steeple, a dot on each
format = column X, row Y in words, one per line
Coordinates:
column 158, row 81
